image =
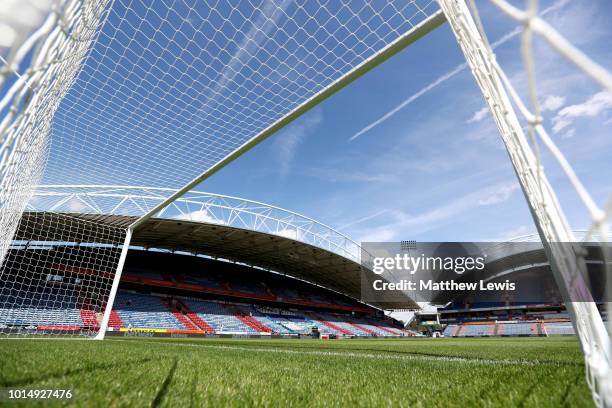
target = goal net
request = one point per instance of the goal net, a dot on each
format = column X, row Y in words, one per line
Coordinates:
column 526, row 149
column 164, row 93
column 150, row 93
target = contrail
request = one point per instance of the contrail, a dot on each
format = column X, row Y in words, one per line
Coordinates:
column 411, row 99
column 504, row 39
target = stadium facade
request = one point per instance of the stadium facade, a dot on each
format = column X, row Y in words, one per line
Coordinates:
column 537, row 309
column 210, row 265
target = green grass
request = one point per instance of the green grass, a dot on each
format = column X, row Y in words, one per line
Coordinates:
column 410, row 373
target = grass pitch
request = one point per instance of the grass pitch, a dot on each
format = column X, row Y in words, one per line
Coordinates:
column 203, row 372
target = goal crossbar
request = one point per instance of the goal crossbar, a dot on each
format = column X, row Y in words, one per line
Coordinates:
column 418, row 31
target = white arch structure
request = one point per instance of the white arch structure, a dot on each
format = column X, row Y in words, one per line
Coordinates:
column 195, row 206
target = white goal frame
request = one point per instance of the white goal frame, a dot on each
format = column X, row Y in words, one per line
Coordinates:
column 566, row 260
column 420, row 30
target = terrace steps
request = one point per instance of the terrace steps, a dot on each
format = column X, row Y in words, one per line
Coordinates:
column 90, row 318
column 194, row 318
column 249, row 320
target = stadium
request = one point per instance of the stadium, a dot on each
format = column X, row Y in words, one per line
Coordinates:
column 206, row 203
column 255, row 266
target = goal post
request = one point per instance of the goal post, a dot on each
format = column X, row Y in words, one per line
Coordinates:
column 559, row 242
column 91, row 77
column 417, row 32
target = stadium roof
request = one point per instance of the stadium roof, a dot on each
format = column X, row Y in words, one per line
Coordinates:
column 277, row 253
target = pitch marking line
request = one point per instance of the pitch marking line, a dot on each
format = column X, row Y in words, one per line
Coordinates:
column 346, row 354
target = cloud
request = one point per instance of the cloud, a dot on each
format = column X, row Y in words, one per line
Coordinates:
column 412, row 98
column 75, row 205
column 291, row 233
column 288, row 140
column 266, row 21
column 519, row 231
column 553, row 102
column 569, row 134
column 380, row 234
column 596, row 104
column 364, row 219
column 479, row 115
column 503, row 193
column 333, row 175
column 199, row 216
column 413, row 224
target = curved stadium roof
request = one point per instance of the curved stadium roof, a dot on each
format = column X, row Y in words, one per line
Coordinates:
column 220, row 226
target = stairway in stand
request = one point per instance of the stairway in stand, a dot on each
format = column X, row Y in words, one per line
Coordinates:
column 249, row 320
column 363, row 329
column 385, row 329
column 194, row 318
column 115, row 320
column 330, row 324
column 89, row 318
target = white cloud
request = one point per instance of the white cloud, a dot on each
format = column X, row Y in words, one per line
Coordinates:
column 569, row 134
column 333, row 175
column 500, row 195
column 410, row 100
column 479, row 115
column 75, row 205
column 403, row 223
column 291, row 233
column 381, row 234
column 364, row 219
column 513, row 233
column 448, row 75
column 257, row 34
column 553, row 102
column 199, row 216
column 596, row 104
column 288, row 141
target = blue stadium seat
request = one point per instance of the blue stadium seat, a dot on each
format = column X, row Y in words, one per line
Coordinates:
column 145, row 312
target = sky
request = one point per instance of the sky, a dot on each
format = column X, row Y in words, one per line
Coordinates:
column 409, row 151
column 406, row 152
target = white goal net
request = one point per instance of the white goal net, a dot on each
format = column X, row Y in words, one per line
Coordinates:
column 157, row 93
column 525, row 140
column 164, row 93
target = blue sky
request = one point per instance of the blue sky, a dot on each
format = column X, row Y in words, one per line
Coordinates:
column 406, row 152
column 436, row 169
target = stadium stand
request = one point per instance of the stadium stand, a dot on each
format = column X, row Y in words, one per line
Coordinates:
column 507, row 319
column 144, row 311
column 519, row 329
column 217, row 316
column 511, row 328
column 164, row 293
column 275, row 321
column 559, row 329
column 35, row 309
column 449, row 330
column 478, row 330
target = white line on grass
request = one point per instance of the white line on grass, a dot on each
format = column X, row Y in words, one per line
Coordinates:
column 378, row 356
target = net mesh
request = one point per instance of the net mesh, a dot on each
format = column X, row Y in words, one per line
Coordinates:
column 149, row 93
column 526, row 152
column 36, row 70
column 170, row 88
column 57, row 275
